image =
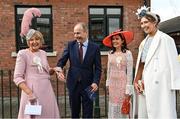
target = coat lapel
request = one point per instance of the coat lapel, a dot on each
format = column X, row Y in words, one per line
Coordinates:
column 153, row 47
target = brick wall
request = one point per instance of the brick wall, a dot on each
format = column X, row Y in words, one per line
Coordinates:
column 66, row 13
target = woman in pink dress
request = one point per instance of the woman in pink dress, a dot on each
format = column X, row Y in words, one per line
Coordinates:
column 32, row 75
column 119, row 72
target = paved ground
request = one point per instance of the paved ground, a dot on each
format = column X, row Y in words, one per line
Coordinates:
column 64, row 110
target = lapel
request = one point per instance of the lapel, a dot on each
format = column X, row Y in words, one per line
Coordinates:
column 139, row 54
column 153, row 47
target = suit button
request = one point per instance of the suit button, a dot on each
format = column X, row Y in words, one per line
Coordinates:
column 156, row 82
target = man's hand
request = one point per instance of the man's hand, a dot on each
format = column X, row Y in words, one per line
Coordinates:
column 60, row 74
column 94, row 87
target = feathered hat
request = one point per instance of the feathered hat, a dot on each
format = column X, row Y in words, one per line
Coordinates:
column 27, row 18
column 143, row 11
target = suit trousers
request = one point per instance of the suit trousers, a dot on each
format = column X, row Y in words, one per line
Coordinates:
column 79, row 98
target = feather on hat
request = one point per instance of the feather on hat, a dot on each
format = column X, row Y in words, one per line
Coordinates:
column 27, row 18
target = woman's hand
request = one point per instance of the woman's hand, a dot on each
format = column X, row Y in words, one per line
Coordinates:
column 127, row 96
column 138, row 83
column 51, row 71
column 107, row 89
column 139, row 86
column 32, row 98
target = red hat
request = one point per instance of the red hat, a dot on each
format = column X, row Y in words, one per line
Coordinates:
column 127, row 34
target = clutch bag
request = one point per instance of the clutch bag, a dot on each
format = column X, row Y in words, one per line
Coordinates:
column 125, row 109
column 91, row 94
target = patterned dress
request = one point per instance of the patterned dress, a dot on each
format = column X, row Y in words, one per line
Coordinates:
column 119, row 80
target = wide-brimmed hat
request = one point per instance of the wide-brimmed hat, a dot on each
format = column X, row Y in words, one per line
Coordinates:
column 128, row 35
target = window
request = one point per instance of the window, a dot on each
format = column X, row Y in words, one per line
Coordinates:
column 103, row 21
column 42, row 24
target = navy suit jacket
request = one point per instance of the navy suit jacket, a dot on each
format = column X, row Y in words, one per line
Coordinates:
column 88, row 72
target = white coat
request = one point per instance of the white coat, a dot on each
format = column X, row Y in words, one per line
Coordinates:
column 161, row 76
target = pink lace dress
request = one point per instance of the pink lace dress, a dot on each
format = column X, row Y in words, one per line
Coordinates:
column 119, row 80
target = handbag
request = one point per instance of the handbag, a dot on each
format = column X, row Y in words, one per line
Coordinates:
column 33, row 109
column 91, row 94
column 125, row 109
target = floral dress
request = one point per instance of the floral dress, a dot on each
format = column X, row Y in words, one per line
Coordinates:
column 119, row 81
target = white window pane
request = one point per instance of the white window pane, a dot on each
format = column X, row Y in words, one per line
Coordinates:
column 96, row 11
column 43, row 20
column 43, row 10
column 113, row 24
column 113, row 11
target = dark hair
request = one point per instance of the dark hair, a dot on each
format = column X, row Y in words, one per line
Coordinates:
column 152, row 19
column 159, row 19
column 123, row 45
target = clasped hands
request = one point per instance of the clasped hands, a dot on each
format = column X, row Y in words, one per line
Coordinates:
column 59, row 73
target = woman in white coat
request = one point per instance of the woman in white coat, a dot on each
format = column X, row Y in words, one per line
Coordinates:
column 157, row 71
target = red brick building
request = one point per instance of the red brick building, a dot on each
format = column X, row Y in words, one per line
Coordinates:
column 57, row 22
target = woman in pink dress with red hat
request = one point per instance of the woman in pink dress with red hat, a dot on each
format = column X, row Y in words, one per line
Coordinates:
column 119, row 72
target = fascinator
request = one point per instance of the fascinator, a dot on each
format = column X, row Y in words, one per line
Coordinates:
column 29, row 14
column 128, row 35
column 143, row 11
column 30, row 34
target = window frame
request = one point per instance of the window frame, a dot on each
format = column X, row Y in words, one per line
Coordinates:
column 106, row 18
column 18, row 19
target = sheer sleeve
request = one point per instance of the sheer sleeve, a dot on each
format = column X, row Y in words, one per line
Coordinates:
column 129, row 86
column 108, row 71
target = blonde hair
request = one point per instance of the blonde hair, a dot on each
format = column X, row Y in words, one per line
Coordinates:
column 39, row 35
column 35, row 33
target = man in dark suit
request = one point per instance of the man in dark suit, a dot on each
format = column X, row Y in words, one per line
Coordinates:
column 84, row 70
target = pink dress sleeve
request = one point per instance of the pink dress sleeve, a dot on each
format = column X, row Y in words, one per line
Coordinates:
column 19, row 68
column 108, row 71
